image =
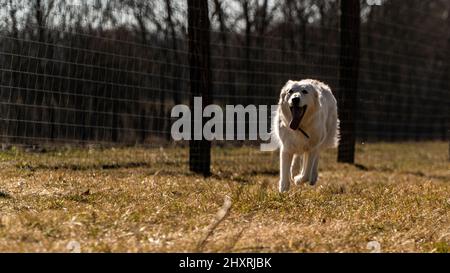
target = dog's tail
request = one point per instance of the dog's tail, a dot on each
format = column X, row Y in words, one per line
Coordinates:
column 334, row 133
column 337, row 134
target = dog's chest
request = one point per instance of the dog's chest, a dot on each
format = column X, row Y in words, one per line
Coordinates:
column 294, row 140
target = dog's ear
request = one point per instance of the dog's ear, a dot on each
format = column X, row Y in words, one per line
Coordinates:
column 284, row 89
column 287, row 85
column 317, row 94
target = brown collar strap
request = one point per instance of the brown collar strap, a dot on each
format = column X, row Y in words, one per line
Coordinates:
column 301, row 130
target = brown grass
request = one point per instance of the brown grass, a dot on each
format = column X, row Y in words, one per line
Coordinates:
column 134, row 200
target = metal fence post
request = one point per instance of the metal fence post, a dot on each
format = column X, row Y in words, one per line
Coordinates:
column 200, row 80
column 348, row 78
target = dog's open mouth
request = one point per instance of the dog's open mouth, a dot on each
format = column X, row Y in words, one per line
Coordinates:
column 297, row 116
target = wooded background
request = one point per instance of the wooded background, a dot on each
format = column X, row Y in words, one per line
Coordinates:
column 111, row 71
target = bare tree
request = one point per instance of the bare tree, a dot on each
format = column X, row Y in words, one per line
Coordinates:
column 174, row 57
column 247, row 63
column 221, row 18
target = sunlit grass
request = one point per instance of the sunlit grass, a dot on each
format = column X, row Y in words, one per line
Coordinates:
column 134, row 199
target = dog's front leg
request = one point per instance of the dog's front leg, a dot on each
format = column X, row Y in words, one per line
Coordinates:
column 303, row 176
column 285, row 170
column 295, row 166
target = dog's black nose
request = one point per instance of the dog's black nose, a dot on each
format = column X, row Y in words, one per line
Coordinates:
column 296, row 100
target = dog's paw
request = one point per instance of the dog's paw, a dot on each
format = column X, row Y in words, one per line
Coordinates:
column 283, row 186
column 299, row 179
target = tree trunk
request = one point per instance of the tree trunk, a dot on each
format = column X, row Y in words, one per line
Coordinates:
column 247, row 52
column 226, row 52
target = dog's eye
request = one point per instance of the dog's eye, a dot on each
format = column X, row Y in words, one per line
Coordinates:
column 290, row 91
column 304, row 92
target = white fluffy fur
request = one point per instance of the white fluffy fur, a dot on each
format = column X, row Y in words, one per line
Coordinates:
column 320, row 122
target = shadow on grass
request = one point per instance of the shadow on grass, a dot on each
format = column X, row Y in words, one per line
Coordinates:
column 78, row 167
column 390, row 170
column 5, row 195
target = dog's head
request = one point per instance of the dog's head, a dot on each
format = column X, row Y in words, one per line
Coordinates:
column 301, row 98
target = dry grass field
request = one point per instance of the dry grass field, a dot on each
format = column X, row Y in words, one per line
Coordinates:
column 145, row 200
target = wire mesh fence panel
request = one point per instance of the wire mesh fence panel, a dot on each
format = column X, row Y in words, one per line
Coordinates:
column 110, row 72
column 402, row 92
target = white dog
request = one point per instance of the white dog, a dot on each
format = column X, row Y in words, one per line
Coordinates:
column 305, row 123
